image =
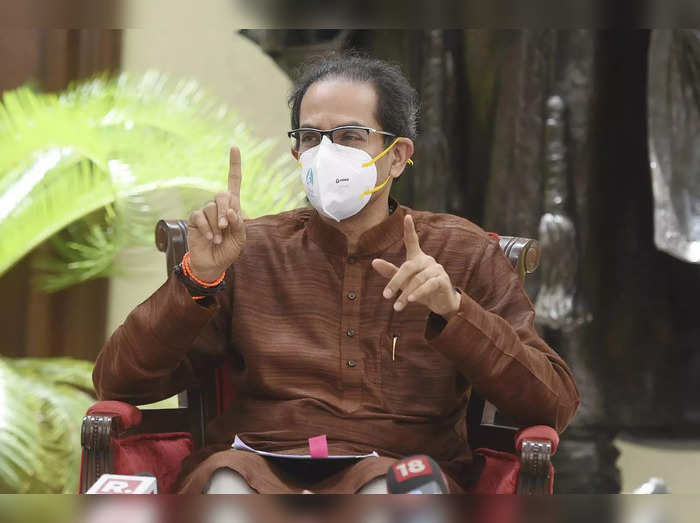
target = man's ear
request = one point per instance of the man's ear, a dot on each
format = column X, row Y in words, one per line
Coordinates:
column 401, row 153
column 295, row 153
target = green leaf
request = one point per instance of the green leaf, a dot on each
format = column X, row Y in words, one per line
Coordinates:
column 94, row 168
column 42, row 403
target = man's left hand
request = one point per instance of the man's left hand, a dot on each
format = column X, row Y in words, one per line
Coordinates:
column 420, row 278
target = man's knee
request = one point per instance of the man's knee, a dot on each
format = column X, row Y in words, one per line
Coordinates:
column 376, row 486
column 226, row 481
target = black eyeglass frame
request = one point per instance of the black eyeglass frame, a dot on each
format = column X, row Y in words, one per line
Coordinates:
column 330, row 132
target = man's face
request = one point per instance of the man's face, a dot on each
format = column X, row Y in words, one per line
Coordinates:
column 335, row 102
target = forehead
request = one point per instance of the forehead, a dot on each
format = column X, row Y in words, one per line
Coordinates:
column 334, row 102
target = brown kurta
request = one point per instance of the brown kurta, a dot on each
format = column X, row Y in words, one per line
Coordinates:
column 312, row 336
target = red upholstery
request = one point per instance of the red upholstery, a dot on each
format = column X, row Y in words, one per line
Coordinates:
column 500, row 473
column 157, row 454
column 129, row 416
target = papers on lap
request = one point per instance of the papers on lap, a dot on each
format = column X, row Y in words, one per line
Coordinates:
column 238, row 444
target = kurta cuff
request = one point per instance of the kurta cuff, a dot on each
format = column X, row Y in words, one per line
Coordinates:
column 448, row 334
column 491, row 356
column 170, row 321
column 183, row 316
column 488, row 335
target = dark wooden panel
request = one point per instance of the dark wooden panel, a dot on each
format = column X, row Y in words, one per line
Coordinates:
column 71, row 322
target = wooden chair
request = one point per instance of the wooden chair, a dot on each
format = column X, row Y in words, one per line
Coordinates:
column 109, row 425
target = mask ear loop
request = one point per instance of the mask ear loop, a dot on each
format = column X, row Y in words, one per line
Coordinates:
column 373, row 160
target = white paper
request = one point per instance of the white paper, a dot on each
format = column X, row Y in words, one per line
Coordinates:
column 238, row 444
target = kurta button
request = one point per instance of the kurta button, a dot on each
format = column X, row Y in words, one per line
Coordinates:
column 350, row 332
column 352, row 295
column 351, row 363
column 352, row 260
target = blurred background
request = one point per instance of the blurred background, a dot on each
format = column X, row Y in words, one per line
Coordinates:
column 584, row 139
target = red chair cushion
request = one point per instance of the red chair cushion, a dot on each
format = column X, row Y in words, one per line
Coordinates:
column 157, row 454
column 500, row 472
column 129, row 416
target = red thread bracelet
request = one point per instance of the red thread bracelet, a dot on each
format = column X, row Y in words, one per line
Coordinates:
column 188, row 272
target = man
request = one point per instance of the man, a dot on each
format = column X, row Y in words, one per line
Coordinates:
column 358, row 318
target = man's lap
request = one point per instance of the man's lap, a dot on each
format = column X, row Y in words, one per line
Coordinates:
column 266, row 476
column 226, row 481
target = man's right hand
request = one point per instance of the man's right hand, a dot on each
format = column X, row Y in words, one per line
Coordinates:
column 216, row 232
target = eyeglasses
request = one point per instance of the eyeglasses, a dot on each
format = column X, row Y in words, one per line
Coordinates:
column 356, row 136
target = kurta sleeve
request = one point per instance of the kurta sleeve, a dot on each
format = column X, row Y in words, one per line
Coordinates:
column 163, row 346
column 493, row 342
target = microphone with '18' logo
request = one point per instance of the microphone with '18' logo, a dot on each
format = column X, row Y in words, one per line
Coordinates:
column 415, row 475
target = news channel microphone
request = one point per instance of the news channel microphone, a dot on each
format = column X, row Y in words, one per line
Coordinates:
column 415, row 475
column 122, row 484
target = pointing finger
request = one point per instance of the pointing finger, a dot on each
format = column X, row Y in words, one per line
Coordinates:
column 410, row 237
column 234, row 172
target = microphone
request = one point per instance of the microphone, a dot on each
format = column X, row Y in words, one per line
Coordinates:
column 121, row 484
column 415, row 475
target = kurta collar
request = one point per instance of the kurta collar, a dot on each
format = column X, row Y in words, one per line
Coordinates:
column 372, row 241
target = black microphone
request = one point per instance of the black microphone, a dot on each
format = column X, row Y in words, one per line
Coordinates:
column 415, row 475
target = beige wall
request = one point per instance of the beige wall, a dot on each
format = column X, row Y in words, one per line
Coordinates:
column 227, row 65
column 676, row 461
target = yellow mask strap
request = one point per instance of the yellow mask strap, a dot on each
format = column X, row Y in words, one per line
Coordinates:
column 367, row 164
column 377, row 188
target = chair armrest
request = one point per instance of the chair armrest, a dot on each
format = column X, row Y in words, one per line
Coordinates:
column 522, row 253
column 537, row 433
column 95, row 436
column 123, row 414
column 171, row 238
column 536, row 446
column 106, row 421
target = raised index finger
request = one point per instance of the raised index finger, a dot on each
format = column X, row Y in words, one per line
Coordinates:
column 410, row 237
column 234, row 172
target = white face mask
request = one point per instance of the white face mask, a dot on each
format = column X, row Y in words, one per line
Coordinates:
column 339, row 180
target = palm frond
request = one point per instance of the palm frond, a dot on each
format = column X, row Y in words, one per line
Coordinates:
column 94, row 168
column 42, row 402
column 65, row 371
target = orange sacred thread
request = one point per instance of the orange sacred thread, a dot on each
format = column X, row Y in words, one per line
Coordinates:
column 188, row 272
